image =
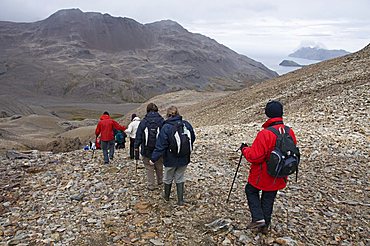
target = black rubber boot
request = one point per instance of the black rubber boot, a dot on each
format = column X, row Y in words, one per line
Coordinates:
column 167, row 191
column 180, row 193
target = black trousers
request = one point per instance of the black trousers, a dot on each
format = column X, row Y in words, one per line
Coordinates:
column 132, row 150
column 260, row 206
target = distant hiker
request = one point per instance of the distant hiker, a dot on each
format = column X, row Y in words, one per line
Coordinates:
column 105, row 129
column 174, row 143
column 120, row 138
column 146, row 137
column 131, row 132
column 259, row 180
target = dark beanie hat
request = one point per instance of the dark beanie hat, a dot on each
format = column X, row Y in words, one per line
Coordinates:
column 274, row 109
column 133, row 116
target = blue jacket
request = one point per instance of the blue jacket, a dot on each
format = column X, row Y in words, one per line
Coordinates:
column 140, row 136
column 162, row 144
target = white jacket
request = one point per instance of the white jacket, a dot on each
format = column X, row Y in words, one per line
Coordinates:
column 132, row 127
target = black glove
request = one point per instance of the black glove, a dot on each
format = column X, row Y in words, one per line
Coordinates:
column 243, row 145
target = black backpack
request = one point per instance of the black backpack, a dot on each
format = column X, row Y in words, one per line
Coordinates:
column 180, row 140
column 151, row 132
column 285, row 157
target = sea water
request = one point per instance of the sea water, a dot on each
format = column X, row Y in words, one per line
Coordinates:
column 272, row 62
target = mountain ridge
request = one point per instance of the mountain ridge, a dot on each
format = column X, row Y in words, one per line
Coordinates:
column 93, row 56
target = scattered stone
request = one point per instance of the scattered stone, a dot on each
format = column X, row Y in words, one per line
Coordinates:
column 219, row 224
column 156, row 242
column 285, row 241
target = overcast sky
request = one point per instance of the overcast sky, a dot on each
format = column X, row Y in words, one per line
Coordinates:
column 247, row 26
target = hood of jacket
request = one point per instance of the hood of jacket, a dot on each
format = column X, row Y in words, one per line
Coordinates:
column 172, row 120
column 104, row 117
column 154, row 116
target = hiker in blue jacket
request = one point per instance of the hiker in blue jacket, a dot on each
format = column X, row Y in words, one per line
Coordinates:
column 174, row 164
column 146, row 137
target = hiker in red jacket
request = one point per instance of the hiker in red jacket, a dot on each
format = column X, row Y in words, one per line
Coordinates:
column 105, row 129
column 258, row 179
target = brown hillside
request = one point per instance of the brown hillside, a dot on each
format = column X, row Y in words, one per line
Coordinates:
column 324, row 87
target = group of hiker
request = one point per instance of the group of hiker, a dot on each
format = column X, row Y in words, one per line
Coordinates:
column 165, row 146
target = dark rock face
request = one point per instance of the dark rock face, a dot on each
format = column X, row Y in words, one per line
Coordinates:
column 95, row 57
column 318, row 53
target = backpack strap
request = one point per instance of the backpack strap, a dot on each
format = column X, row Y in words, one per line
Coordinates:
column 278, row 132
column 287, row 129
column 272, row 129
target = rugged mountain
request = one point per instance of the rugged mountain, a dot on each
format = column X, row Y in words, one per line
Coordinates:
column 316, row 53
column 92, row 57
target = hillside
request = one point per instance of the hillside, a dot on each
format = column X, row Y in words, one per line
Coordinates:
column 322, row 87
column 93, row 57
column 73, row 199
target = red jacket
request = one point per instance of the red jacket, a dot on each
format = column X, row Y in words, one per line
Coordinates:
column 105, row 128
column 259, row 152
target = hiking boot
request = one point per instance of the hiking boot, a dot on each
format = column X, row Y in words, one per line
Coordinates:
column 151, row 188
column 106, row 162
column 180, row 193
column 256, row 224
column 167, row 191
column 264, row 229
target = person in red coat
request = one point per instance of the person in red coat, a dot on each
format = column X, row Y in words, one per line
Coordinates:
column 105, row 129
column 261, row 206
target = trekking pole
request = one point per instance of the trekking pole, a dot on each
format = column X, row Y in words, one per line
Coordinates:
column 136, row 156
column 240, row 160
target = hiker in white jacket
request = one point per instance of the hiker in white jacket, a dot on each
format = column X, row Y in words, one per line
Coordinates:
column 131, row 133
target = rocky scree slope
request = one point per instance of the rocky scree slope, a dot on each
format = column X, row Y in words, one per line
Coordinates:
column 73, row 199
column 91, row 56
column 328, row 106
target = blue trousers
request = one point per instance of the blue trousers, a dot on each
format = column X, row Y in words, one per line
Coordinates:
column 108, row 150
column 260, row 206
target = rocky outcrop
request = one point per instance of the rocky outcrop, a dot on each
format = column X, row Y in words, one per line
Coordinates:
column 64, row 144
column 290, row 63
